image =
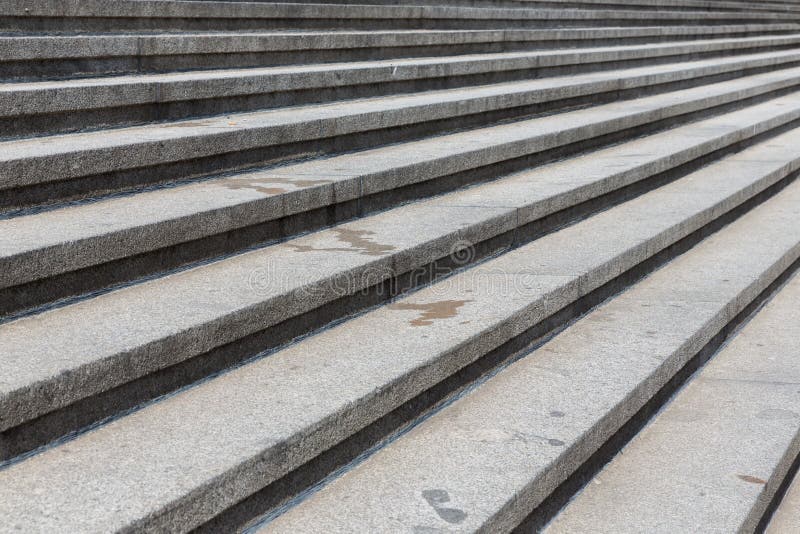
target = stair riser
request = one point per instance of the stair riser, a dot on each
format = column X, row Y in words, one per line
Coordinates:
column 42, row 430
column 241, row 97
column 57, row 67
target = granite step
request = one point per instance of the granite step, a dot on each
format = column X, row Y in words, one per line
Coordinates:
column 671, row 5
column 713, row 458
column 77, row 165
column 52, row 56
column 78, row 249
column 46, row 108
column 321, row 276
column 229, row 437
column 154, row 15
column 488, row 460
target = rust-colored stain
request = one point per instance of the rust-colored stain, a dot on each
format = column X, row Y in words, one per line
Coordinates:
column 356, row 240
column 752, row 479
column 443, row 309
column 265, row 185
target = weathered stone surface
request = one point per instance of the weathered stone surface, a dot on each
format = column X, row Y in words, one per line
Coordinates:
column 101, row 94
column 712, row 460
column 489, row 458
column 30, row 162
column 402, row 349
column 243, row 242
column 53, row 242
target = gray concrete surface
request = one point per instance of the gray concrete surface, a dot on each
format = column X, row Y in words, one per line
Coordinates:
column 32, row 162
column 407, row 347
column 58, row 241
column 712, row 460
column 127, row 100
column 486, row 461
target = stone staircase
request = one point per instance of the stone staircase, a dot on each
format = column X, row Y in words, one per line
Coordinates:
column 464, row 265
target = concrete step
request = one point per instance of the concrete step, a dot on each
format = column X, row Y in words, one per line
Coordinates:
column 70, row 105
column 322, row 276
column 713, row 458
column 219, row 447
column 671, row 5
column 77, row 165
column 51, row 56
column 486, row 460
column 786, row 518
column 154, row 15
column 78, row 249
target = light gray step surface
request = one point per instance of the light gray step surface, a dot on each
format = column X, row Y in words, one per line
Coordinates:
column 54, row 242
column 102, row 157
column 486, row 461
column 53, row 106
column 313, row 401
column 31, row 56
column 177, row 317
column 104, row 15
column 786, row 517
column 713, row 458
column 672, row 5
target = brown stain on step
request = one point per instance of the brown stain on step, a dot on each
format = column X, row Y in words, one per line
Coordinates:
column 357, row 241
column 262, row 185
column 751, row 479
column 443, row 309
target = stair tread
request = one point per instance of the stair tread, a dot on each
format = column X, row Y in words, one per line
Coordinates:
column 138, row 449
column 526, row 429
column 712, row 459
column 51, row 242
column 22, row 98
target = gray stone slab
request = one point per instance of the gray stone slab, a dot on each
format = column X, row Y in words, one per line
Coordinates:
column 34, row 98
column 165, row 9
column 52, row 242
column 38, row 161
column 372, row 364
column 713, row 458
column 44, row 47
column 487, row 460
